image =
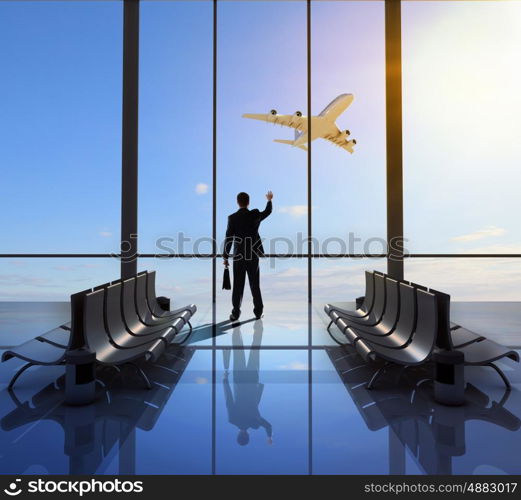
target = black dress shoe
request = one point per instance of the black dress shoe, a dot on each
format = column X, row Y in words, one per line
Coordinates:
column 233, row 318
column 258, row 316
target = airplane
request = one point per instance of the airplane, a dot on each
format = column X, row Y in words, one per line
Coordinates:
column 322, row 126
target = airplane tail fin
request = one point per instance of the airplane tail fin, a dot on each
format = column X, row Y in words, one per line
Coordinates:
column 291, row 143
column 284, row 141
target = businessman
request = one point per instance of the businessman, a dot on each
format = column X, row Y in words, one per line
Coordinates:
column 243, row 233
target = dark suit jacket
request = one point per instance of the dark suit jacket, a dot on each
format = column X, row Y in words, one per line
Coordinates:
column 243, row 229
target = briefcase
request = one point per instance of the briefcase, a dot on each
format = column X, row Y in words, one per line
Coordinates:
column 227, row 285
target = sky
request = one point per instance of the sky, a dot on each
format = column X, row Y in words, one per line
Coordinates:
column 60, row 129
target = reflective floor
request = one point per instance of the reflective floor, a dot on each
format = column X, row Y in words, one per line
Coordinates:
column 274, row 396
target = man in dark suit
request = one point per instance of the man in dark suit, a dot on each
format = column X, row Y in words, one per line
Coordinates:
column 243, row 230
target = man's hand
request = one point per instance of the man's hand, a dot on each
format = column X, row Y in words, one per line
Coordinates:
column 269, row 195
column 226, row 263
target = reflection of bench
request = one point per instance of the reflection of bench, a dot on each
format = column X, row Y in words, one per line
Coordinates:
column 404, row 323
column 118, row 321
column 433, row 433
column 90, row 434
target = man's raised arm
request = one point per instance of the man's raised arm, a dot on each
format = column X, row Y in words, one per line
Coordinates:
column 268, row 209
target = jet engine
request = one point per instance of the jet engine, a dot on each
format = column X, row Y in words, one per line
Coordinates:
column 347, row 132
column 298, row 113
column 273, row 112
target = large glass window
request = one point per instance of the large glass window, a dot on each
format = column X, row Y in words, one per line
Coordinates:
column 175, row 127
column 53, row 279
column 185, row 281
column 484, row 292
column 461, row 107
column 60, row 124
column 35, row 292
column 348, row 190
column 261, row 66
column 284, row 292
column 469, row 279
column 337, row 281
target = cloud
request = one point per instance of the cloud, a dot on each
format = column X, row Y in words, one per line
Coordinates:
column 201, row 188
column 470, row 279
column 75, row 267
column 18, row 263
column 290, row 272
column 294, row 210
column 23, row 280
column 487, row 232
column 499, row 248
column 294, row 365
column 105, row 234
column 170, row 288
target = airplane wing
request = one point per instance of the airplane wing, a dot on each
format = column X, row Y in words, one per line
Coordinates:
column 293, row 121
column 348, row 146
column 340, row 141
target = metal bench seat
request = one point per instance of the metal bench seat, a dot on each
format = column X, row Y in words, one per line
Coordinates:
column 407, row 345
column 482, row 352
column 37, row 352
column 422, row 342
column 58, row 337
column 462, row 337
column 373, row 318
column 153, row 305
column 106, row 321
column 367, row 306
column 405, row 326
column 389, row 320
column 141, row 304
column 487, row 351
column 97, row 340
column 116, row 328
column 41, row 351
column 34, row 352
column 132, row 321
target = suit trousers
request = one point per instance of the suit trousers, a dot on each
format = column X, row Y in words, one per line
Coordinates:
column 241, row 268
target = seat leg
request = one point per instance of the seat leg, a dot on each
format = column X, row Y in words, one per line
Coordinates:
column 100, row 382
column 334, row 339
column 417, row 387
column 376, row 376
column 18, row 373
column 142, row 374
column 114, row 367
column 187, row 336
column 329, row 326
column 501, row 374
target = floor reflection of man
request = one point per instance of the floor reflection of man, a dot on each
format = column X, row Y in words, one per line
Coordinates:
column 243, row 402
